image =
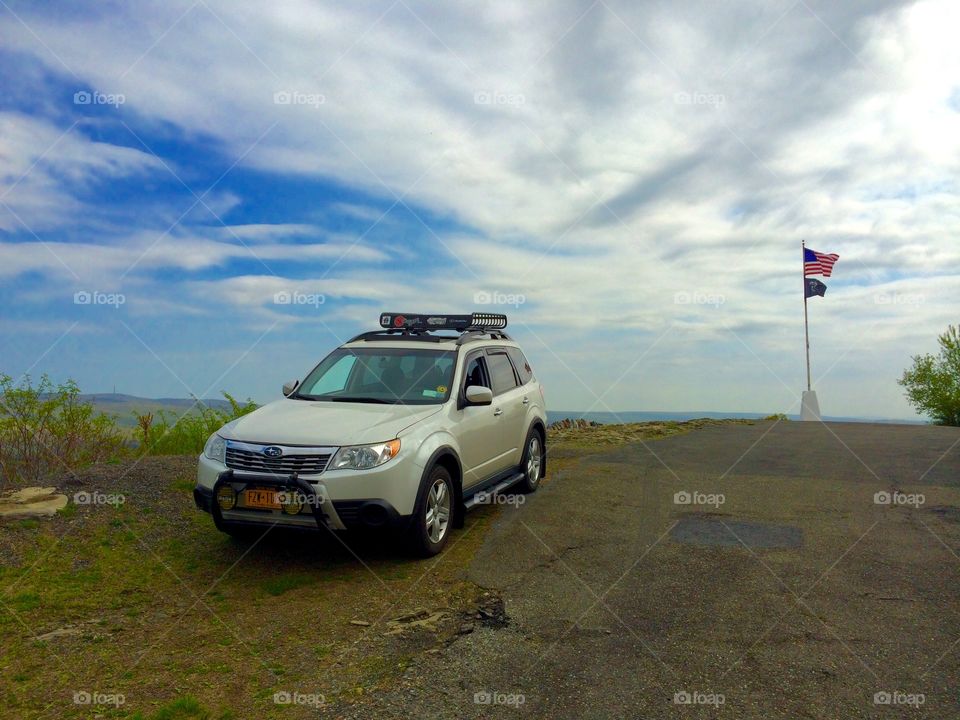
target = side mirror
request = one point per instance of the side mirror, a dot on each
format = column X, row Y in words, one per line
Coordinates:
column 479, row 395
column 289, row 387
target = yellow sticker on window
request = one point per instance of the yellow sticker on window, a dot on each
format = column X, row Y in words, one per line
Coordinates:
column 441, row 389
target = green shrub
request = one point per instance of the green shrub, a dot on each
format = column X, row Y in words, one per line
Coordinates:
column 47, row 429
column 187, row 434
column 933, row 383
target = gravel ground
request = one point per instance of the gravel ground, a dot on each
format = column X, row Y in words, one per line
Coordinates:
column 610, row 612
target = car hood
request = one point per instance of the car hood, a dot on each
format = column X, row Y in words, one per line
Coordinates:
column 305, row 422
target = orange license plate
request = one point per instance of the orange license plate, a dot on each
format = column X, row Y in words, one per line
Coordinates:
column 259, row 498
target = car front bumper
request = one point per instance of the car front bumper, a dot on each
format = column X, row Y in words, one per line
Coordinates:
column 338, row 500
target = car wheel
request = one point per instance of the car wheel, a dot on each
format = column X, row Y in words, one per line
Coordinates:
column 532, row 462
column 433, row 517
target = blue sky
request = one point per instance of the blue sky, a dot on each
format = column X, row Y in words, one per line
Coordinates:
column 631, row 179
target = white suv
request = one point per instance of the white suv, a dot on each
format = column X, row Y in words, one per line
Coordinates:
column 404, row 427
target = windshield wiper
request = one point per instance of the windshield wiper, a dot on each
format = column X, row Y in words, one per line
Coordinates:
column 298, row 396
column 379, row 401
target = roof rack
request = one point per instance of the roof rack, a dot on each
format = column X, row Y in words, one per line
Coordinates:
column 421, row 327
column 419, row 321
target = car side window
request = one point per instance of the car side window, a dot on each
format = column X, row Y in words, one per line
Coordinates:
column 502, row 377
column 520, row 363
column 474, row 374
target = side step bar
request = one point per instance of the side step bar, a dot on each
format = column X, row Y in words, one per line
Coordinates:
column 502, row 485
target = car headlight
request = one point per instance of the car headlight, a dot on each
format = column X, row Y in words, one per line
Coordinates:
column 216, row 448
column 362, row 457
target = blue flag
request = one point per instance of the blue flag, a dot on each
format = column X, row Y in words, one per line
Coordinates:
column 812, row 286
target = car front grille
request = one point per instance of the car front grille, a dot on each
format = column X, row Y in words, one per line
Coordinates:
column 304, row 461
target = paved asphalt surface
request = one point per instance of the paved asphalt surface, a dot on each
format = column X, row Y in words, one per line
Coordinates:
column 794, row 595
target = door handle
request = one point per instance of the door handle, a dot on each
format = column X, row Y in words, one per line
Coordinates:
column 526, row 401
column 498, row 411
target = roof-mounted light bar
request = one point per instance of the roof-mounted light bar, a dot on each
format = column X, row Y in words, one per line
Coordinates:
column 421, row 321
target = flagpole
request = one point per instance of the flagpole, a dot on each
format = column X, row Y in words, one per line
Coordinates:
column 806, row 321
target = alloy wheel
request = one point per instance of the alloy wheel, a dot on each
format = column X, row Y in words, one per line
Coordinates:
column 438, row 511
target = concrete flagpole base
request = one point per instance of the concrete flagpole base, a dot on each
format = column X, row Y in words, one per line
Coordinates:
column 809, row 407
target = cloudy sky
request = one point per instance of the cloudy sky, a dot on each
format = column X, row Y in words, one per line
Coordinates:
column 629, row 181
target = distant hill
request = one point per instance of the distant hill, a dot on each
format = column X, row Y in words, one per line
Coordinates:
column 124, row 406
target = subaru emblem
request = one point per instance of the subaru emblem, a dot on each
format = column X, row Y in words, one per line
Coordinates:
column 272, row 451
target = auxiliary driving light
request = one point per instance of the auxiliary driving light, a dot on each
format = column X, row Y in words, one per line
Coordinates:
column 290, row 502
column 226, row 497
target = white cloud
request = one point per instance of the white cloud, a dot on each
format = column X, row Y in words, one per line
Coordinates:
column 42, row 164
column 608, row 157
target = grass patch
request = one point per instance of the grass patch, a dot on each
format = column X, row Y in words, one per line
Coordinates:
column 183, row 485
column 185, row 708
column 25, row 602
column 284, row 583
column 194, row 659
column 68, row 511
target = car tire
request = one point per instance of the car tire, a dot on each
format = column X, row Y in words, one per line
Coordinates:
column 532, row 462
column 433, row 517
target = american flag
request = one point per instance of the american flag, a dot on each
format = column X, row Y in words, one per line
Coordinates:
column 815, row 263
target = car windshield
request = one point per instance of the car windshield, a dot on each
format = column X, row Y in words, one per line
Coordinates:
column 396, row 376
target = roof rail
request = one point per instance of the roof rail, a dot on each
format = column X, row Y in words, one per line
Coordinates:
column 401, row 334
column 472, row 334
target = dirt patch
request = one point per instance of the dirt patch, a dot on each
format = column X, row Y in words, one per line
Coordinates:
column 418, row 620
